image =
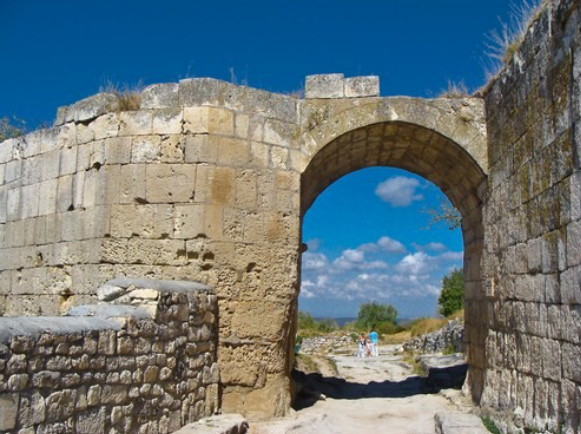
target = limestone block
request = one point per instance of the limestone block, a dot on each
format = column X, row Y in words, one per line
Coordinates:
column 270, row 317
column 221, row 184
column 65, row 194
column 6, row 150
column 574, row 243
column 358, row 87
column 8, row 410
column 97, row 154
column 459, row 423
column 145, row 149
column 95, row 188
column 78, row 189
column 32, row 170
column 208, row 120
column 118, row 150
column 32, row 409
column 231, row 151
column 86, row 109
column 13, row 204
column 146, row 221
column 85, row 133
column 324, row 86
column 135, row 123
column 259, row 154
column 47, row 197
column 172, row 148
column 132, row 184
column 570, row 286
column 33, row 305
column 170, row 183
column 105, row 126
column 84, row 156
column 30, row 200
column 287, row 180
column 200, row 150
column 279, row 157
column 13, row 171
column 188, row 220
column 92, row 421
column 168, row 120
column 242, row 125
column 246, row 189
column 156, row 252
column 160, row 96
column 54, row 139
column 214, row 221
column 218, row 424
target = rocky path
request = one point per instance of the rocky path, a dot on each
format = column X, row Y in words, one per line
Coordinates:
column 370, row 395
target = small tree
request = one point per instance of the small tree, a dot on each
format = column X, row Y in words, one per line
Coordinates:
column 372, row 315
column 11, row 128
column 445, row 214
column 452, row 295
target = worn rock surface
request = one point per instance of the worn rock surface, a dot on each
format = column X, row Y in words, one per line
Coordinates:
column 209, row 181
column 449, row 338
column 365, row 395
column 142, row 362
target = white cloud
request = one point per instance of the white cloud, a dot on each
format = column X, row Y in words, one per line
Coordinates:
column 415, row 263
column 434, row 246
column 314, row 261
column 390, row 245
column 451, row 256
column 352, row 255
column 399, row 191
column 385, row 244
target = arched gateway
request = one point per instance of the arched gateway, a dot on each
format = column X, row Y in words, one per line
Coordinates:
column 208, row 181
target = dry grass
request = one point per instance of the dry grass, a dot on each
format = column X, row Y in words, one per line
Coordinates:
column 455, row 90
column 456, row 316
column 397, row 338
column 421, row 326
column 128, row 97
column 502, row 44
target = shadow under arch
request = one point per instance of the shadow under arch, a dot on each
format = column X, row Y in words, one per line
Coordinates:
column 445, row 163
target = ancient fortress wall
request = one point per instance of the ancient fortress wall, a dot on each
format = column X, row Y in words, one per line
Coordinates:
column 532, row 221
column 143, row 360
column 208, row 181
column 200, row 184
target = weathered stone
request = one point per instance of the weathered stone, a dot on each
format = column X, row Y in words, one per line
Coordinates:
column 357, row 87
column 324, row 86
column 8, row 410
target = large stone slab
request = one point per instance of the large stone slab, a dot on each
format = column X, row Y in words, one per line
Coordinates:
column 220, row 424
column 459, row 423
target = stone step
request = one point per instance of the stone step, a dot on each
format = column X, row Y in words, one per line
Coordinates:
column 459, row 423
column 218, row 424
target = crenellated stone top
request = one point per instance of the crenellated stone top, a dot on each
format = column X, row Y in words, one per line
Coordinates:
column 337, row 86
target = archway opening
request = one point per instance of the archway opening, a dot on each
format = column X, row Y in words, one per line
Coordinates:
column 436, row 158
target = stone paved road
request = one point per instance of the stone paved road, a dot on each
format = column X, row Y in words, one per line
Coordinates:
column 373, row 395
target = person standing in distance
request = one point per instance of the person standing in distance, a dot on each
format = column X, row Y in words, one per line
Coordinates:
column 374, row 338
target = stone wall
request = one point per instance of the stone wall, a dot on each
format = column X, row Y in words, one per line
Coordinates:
column 143, row 360
column 532, row 261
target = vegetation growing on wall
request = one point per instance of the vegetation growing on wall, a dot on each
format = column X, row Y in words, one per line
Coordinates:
column 11, row 128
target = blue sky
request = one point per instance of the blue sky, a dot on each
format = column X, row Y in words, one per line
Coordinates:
column 369, row 240
column 57, row 52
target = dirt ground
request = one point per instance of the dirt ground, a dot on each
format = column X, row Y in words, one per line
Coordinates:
column 366, row 395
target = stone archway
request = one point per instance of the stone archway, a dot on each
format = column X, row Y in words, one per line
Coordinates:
column 442, row 161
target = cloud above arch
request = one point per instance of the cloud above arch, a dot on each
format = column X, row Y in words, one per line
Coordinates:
column 399, row 191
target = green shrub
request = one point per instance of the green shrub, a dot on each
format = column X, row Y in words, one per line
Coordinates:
column 373, row 315
column 452, row 295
